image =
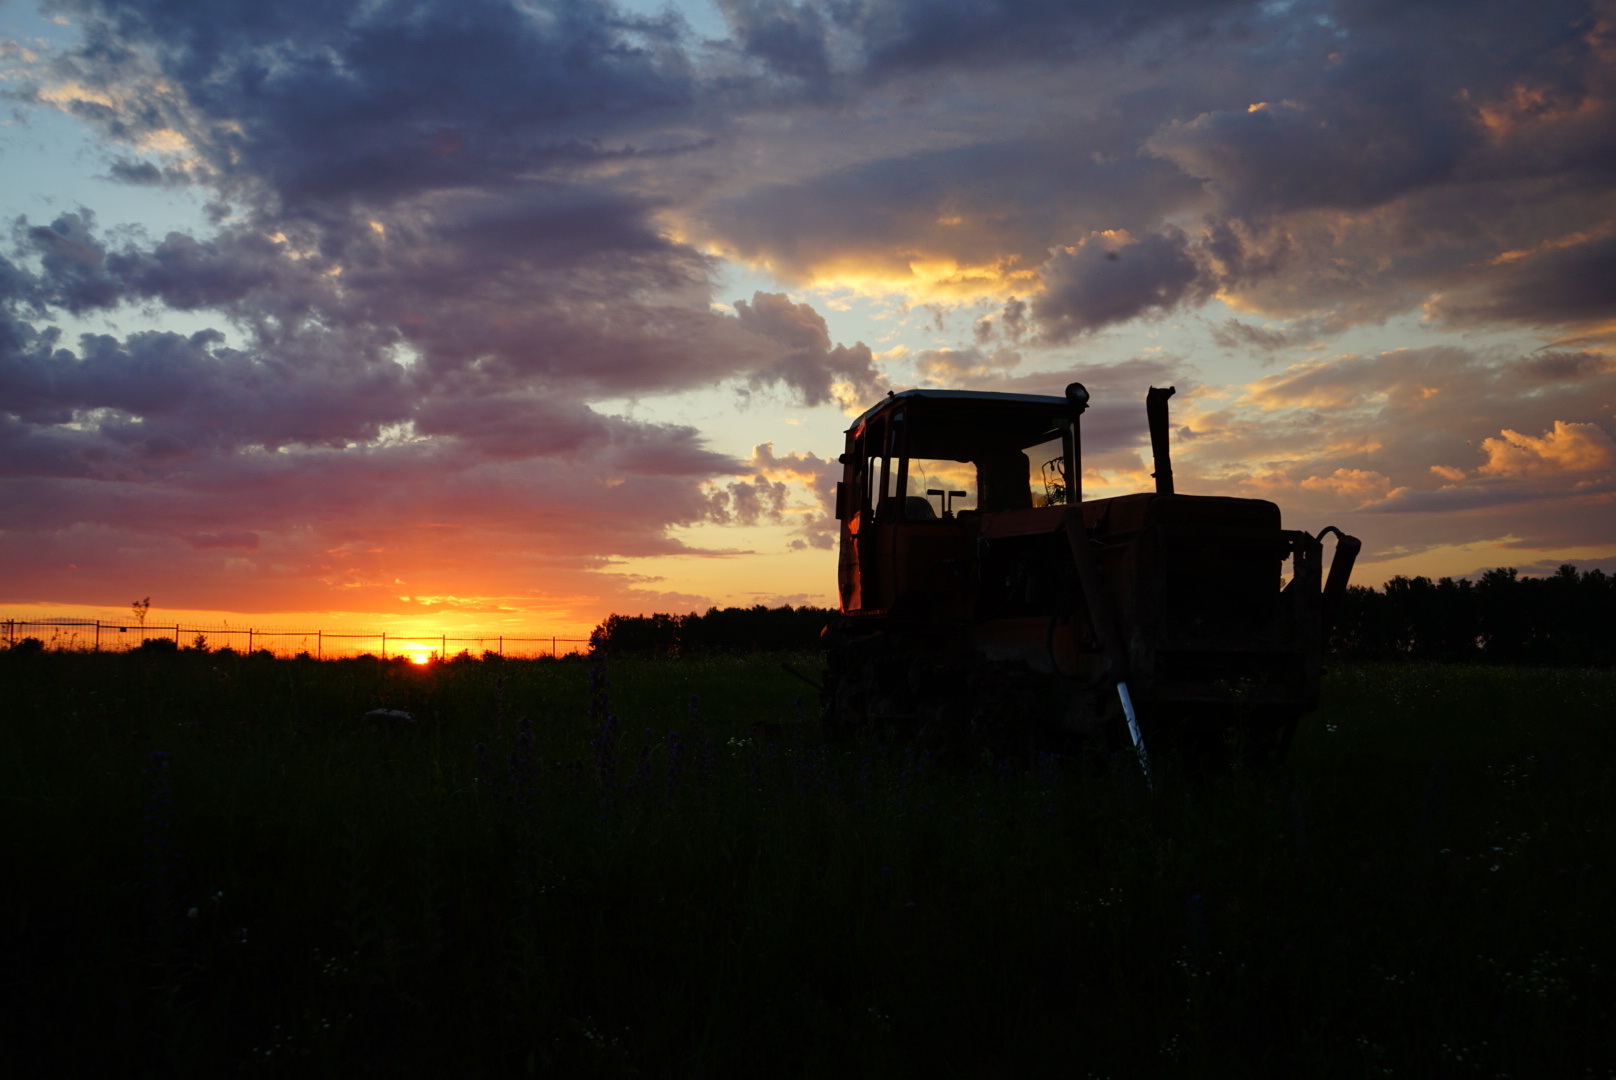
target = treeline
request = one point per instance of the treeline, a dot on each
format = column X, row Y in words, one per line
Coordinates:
column 753, row 629
column 1568, row 618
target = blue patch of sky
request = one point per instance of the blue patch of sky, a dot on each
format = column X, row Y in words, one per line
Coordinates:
column 702, row 15
column 53, row 163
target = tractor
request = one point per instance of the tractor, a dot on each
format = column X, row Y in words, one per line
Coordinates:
column 982, row 595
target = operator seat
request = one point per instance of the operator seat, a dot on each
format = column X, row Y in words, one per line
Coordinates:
column 918, row 508
column 1004, row 482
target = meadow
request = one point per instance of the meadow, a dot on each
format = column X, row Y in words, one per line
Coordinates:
column 216, row 866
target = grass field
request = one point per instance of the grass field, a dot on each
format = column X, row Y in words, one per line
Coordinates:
column 216, row 867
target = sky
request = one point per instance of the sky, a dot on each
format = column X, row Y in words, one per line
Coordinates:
column 493, row 315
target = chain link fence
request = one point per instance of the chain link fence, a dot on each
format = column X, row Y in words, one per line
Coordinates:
column 96, row 635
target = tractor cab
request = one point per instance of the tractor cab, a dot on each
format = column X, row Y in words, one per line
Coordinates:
column 921, row 470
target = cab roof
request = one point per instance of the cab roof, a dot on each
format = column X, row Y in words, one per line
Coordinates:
column 965, row 425
column 964, row 397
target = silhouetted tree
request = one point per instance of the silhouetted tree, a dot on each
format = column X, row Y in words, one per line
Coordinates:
column 1568, row 617
column 753, row 629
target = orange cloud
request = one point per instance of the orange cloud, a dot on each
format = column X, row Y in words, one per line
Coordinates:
column 1565, row 448
column 1357, row 485
column 1530, row 106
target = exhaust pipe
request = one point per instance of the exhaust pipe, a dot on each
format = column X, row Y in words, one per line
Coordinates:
column 1077, row 398
column 1156, row 416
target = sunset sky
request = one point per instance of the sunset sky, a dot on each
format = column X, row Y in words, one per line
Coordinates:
column 508, row 314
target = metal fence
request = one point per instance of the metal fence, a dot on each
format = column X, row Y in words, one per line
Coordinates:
column 95, row 635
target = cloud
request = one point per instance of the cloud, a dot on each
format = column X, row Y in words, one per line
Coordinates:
column 1234, row 334
column 1349, row 150
column 818, row 528
column 747, row 502
column 245, row 540
column 1556, row 285
column 1414, row 435
column 327, row 103
column 945, row 222
column 906, row 35
column 807, row 363
column 949, row 367
column 1352, row 486
column 1111, row 277
column 788, row 38
column 1564, row 448
column 1321, row 161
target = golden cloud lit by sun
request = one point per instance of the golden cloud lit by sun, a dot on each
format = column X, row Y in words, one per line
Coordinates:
column 919, row 279
column 1564, row 448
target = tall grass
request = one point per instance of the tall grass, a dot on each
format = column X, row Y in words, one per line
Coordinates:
column 672, row 874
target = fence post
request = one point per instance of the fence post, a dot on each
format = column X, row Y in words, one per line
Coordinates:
column 249, row 641
column 176, row 635
column 98, row 635
column 384, row 644
column 502, row 644
column 319, row 645
column 443, row 647
column 552, row 648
